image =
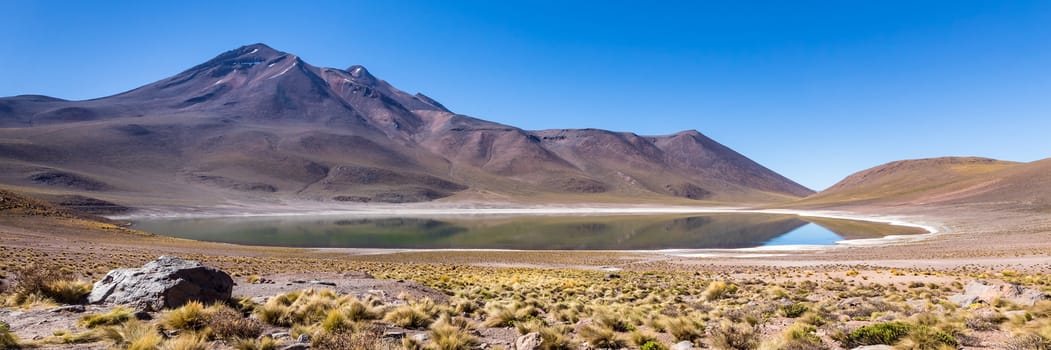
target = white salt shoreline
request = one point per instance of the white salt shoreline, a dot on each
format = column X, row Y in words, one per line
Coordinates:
column 582, row 210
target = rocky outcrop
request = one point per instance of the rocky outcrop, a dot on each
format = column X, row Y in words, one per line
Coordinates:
column 529, row 341
column 167, row 282
column 984, row 292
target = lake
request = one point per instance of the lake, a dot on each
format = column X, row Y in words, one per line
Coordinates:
column 612, row 232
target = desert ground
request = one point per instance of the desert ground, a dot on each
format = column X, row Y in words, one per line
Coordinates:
column 892, row 292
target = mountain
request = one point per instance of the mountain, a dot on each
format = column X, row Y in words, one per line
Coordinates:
column 257, row 124
column 943, row 181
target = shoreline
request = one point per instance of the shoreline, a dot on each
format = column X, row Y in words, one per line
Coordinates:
column 594, row 210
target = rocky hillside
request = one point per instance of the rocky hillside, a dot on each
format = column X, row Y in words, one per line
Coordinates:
column 258, row 125
column 944, row 181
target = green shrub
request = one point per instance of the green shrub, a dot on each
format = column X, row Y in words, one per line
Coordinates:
column 652, row 345
column 881, row 333
column 793, row 310
column 7, row 339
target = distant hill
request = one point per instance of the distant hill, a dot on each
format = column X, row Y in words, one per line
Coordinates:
column 949, row 180
column 256, row 124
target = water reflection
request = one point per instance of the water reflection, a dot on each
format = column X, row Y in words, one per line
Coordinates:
column 623, row 232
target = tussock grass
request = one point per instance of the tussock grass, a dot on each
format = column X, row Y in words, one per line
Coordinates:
column 189, row 317
column 134, row 335
column 114, row 317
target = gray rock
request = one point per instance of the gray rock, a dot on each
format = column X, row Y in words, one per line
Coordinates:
column 529, row 341
column 167, row 282
column 394, row 334
column 69, row 308
column 303, row 338
column 421, row 337
column 982, row 291
column 874, row 347
column 683, row 345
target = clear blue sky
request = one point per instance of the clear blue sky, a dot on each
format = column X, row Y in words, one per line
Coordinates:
column 812, row 89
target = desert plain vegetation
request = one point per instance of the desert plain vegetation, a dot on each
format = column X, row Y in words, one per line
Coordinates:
column 286, row 298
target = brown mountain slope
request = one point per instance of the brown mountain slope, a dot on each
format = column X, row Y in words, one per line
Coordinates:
column 258, row 125
column 945, row 181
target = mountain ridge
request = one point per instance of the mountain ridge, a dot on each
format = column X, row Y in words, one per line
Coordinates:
column 256, row 123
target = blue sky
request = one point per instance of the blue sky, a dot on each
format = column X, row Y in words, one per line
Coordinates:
column 815, row 90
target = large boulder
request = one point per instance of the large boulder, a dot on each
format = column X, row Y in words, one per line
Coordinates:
column 984, row 292
column 167, row 282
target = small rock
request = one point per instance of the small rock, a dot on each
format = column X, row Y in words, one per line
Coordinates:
column 324, row 283
column 299, row 281
column 142, row 315
column 303, row 338
column 394, row 334
column 683, row 345
column 529, row 341
column 68, row 308
column 421, row 337
column 612, row 276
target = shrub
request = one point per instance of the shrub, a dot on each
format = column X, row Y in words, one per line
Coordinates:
column 881, row 333
column 799, row 336
column 718, row 290
column 927, row 338
column 641, row 339
column 738, row 336
column 652, row 345
column 36, row 281
column 1028, row 341
column 67, row 291
column 684, row 328
column 366, row 339
column 609, row 320
column 7, row 339
column 227, row 323
column 793, row 310
column 115, row 317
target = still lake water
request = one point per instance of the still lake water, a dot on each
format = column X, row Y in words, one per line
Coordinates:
column 618, row 232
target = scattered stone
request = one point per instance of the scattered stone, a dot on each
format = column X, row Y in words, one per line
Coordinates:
column 394, row 335
column 68, row 308
column 612, row 276
column 421, row 337
column 167, row 282
column 324, row 283
column 299, row 281
column 683, row 345
column 982, row 291
column 529, row 341
column 303, row 338
column 142, row 315
column 280, row 335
